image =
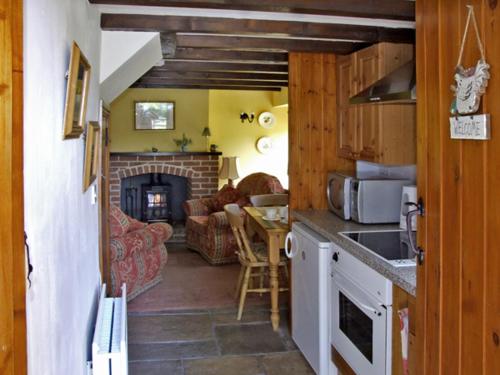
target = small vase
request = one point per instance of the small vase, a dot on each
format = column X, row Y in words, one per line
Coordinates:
column 184, row 148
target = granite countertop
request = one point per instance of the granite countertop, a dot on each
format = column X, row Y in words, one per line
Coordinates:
column 328, row 225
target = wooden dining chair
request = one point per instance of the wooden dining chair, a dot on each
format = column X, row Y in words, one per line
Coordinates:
column 253, row 258
column 266, row 200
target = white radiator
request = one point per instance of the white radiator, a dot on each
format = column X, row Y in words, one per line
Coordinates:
column 109, row 347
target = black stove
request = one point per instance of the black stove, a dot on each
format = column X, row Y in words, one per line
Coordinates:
column 392, row 246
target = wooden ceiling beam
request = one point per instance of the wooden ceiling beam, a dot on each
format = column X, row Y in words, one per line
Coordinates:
column 205, row 87
column 385, row 9
column 156, row 72
column 216, row 25
column 267, row 44
column 228, row 55
column 215, row 82
column 205, row 66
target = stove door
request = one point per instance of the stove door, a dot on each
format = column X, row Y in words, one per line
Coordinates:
column 359, row 327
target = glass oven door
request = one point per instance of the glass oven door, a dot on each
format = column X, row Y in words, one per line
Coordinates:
column 359, row 327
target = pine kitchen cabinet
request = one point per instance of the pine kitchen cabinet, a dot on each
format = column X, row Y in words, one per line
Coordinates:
column 382, row 133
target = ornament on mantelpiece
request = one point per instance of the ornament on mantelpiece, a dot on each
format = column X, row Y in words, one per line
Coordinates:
column 470, row 85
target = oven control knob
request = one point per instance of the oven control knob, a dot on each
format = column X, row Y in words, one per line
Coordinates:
column 335, row 257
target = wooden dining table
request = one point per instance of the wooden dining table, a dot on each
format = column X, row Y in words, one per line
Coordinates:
column 273, row 233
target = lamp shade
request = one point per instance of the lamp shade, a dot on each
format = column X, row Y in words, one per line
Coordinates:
column 206, row 132
column 229, row 168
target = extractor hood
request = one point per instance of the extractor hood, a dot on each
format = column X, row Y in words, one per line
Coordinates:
column 397, row 87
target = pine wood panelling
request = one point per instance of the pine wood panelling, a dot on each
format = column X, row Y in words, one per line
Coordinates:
column 458, row 294
column 12, row 260
column 312, row 128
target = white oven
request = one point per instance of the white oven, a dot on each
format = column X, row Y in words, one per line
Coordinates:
column 361, row 315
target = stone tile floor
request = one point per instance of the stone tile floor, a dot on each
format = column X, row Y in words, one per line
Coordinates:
column 212, row 342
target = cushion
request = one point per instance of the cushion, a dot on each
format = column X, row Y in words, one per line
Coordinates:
column 226, row 195
column 135, row 224
column 119, row 222
column 260, row 183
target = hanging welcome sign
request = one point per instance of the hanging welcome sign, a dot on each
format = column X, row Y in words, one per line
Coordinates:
column 471, row 83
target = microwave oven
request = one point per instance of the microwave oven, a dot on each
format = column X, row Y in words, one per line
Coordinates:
column 366, row 201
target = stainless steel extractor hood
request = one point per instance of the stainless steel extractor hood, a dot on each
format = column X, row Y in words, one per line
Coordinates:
column 397, row 87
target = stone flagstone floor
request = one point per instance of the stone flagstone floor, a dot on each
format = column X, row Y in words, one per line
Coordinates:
column 212, row 342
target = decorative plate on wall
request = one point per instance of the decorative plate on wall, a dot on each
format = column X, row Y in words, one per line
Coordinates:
column 266, row 120
column 264, row 145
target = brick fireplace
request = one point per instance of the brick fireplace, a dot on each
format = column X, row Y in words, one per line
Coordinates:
column 199, row 168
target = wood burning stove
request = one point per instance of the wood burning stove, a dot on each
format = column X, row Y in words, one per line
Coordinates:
column 156, row 200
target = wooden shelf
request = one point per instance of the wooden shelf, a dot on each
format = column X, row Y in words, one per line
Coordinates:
column 177, row 153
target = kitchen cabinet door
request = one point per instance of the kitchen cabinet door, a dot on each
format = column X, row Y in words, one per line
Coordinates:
column 346, row 114
column 368, row 115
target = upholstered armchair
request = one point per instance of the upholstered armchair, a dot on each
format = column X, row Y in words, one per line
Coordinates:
column 207, row 229
column 138, row 253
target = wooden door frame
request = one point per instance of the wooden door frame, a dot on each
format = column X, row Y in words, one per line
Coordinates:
column 13, row 352
column 103, row 196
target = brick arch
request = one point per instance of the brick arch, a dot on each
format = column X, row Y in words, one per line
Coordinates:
column 156, row 168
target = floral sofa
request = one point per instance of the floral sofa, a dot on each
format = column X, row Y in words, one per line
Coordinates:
column 207, row 229
column 138, row 253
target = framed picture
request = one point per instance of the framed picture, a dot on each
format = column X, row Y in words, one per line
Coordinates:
column 154, row 116
column 77, row 91
column 91, row 162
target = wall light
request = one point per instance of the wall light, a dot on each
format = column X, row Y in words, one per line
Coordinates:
column 245, row 116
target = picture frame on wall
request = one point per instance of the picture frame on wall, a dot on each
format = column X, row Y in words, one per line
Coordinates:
column 91, row 161
column 154, row 115
column 77, row 91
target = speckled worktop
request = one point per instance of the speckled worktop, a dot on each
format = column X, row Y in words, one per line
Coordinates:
column 328, row 225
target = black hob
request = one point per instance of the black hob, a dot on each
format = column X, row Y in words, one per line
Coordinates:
column 392, row 246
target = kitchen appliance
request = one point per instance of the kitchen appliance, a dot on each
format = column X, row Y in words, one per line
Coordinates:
column 368, row 200
column 338, row 193
column 396, row 87
column 394, row 247
column 409, row 195
column 361, row 328
column 310, row 255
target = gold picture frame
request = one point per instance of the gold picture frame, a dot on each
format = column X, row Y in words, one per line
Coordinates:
column 91, row 162
column 77, row 91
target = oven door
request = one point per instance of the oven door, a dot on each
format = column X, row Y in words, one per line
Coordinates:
column 358, row 327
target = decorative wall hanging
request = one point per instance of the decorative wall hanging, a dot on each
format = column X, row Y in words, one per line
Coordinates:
column 266, row 120
column 264, row 145
column 470, row 85
column 154, row 116
column 247, row 117
column 77, row 90
column 91, row 154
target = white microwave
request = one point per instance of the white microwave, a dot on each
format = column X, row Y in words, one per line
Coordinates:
column 366, row 201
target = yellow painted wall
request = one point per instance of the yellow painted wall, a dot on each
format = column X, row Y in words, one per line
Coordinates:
column 191, row 116
column 218, row 109
column 237, row 139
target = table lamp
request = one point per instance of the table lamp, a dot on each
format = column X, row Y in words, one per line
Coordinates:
column 229, row 169
column 206, row 133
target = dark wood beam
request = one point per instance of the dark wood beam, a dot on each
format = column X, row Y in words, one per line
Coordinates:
column 387, row 9
column 267, row 44
column 202, row 66
column 157, row 72
column 228, row 55
column 205, row 87
column 162, row 23
column 215, row 82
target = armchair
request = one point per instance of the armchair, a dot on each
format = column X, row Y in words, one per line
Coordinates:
column 138, row 253
column 207, row 230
